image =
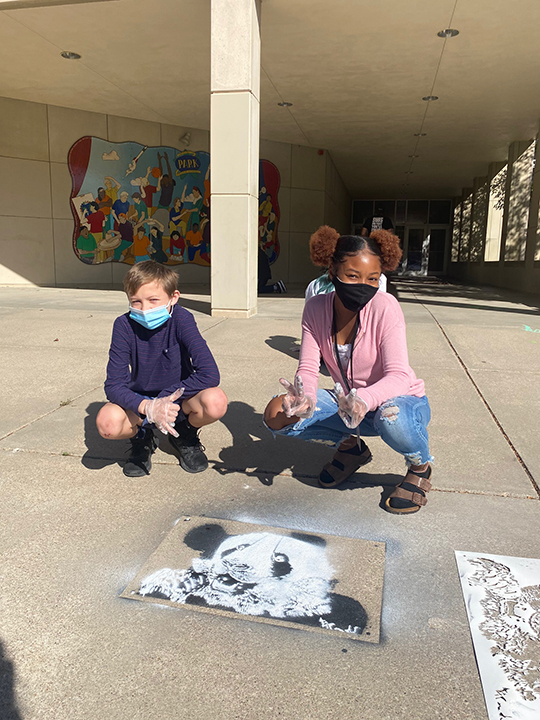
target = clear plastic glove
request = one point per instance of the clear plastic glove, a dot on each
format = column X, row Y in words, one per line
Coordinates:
column 295, row 403
column 351, row 408
column 162, row 412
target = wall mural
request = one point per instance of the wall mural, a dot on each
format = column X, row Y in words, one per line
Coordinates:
column 132, row 202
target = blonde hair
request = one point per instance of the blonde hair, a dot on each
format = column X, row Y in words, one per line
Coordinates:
column 147, row 272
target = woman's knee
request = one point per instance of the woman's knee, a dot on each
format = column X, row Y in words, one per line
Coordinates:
column 274, row 416
column 110, row 421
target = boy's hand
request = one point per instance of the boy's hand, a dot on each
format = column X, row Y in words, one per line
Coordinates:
column 163, row 411
column 295, row 403
column 351, row 408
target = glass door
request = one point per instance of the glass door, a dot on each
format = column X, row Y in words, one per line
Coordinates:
column 415, row 251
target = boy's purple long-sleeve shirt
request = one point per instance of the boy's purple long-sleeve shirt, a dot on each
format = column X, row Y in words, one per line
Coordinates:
column 148, row 363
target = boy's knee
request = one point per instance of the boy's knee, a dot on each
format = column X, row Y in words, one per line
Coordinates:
column 110, row 422
column 215, row 403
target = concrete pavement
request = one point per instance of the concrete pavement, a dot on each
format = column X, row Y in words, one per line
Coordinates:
column 74, row 530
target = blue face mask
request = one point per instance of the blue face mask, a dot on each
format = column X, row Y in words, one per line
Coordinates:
column 151, row 319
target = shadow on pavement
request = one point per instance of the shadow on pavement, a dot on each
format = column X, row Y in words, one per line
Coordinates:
column 202, row 306
column 100, row 452
column 254, row 451
column 8, row 708
column 289, row 345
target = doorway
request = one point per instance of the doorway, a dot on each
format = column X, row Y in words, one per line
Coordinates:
column 424, row 250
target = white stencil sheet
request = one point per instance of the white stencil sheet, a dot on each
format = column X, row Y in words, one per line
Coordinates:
column 502, row 597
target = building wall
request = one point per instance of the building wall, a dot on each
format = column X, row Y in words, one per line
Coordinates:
column 514, row 263
column 36, row 224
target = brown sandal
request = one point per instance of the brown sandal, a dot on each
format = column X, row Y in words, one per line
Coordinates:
column 418, row 498
column 343, row 465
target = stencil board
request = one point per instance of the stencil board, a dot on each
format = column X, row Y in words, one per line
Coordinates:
column 320, row 583
column 502, row 597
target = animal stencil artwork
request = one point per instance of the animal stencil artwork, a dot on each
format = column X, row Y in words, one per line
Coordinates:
column 268, row 575
column 262, row 574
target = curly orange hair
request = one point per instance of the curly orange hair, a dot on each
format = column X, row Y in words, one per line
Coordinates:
column 389, row 245
column 322, row 245
column 327, row 247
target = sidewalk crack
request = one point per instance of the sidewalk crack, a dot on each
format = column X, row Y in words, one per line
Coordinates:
column 481, row 395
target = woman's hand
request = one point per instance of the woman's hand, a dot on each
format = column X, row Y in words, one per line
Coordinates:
column 163, row 411
column 351, row 408
column 295, row 403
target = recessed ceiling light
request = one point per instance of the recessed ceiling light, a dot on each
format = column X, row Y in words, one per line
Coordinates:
column 70, row 55
column 448, row 33
column 430, row 97
column 284, row 104
column 420, row 134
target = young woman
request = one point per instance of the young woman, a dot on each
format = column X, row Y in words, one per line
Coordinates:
column 360, row 335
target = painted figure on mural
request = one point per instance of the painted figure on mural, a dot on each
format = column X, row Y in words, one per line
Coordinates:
column 86, row 245
column 193, row 202
column 105, row 202
column 112, row 187
column 96, row 220
column 195, row 243
column 177, row 243
column 176, row 214
column 156, row 239
column 138, row 211
column 142, row 247
column 125, row 230
column 120, row 206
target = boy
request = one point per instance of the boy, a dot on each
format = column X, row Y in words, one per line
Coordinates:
column 158, row 356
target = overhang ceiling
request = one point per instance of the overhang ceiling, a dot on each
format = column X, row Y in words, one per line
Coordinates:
column 355, row 71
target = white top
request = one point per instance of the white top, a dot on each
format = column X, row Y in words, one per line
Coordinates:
column 344, row 352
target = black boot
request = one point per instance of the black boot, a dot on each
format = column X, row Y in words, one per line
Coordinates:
column 139, row 462
column 189, row 448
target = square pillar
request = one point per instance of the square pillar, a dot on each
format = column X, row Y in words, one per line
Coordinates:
column 234, row 156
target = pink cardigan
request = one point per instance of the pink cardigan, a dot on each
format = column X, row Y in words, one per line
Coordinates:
column 380, row 361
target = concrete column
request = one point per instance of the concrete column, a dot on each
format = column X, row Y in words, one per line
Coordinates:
column 479, row 219
column 516, row 205
column 234, row 156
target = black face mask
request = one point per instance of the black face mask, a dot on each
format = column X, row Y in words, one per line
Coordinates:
column 354, row 296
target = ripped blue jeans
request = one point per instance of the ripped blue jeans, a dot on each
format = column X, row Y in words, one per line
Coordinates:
column 401, row 422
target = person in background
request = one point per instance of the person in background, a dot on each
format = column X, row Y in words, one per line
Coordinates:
column 264, row 275
column 379, row 221
column 360, row 334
